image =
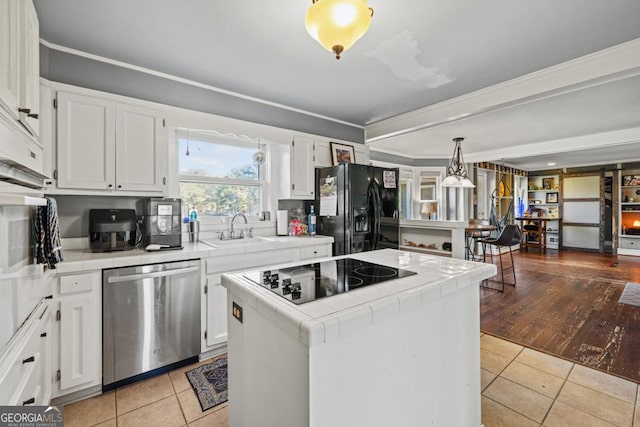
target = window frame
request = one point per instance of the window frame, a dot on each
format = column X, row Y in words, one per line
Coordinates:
column 214, row 138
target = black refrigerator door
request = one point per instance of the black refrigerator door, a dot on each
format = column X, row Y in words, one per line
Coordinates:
column 359, row 213
column 387, row 181
column 330, row 183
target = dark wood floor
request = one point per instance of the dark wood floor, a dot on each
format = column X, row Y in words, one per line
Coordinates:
column 566, row 304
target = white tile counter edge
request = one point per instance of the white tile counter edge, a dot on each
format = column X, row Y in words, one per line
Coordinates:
column 321, row 321
column 85, row 260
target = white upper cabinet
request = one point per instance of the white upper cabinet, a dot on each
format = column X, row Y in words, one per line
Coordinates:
column 139, row 159
column 107, row 146
column 308, row 154
column 9, row 59
column 19, row 63
column 86, row 142
column 302, row 168
column 30, row 69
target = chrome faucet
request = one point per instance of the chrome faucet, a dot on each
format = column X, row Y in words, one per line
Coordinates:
column 232, row 235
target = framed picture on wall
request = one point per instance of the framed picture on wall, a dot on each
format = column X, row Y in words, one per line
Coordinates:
column 547, row 183
column 341, row 153
column 552, row 197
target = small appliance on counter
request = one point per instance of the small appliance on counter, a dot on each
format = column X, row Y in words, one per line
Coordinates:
column 161, row 222
column 112, row 230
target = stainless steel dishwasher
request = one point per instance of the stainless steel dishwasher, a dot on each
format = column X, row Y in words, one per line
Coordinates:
column 151, row 319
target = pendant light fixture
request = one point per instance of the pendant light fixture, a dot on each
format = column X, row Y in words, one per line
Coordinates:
column 457, row 172
column 338, row 24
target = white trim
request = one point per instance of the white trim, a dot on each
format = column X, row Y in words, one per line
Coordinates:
column 596, row 140
column 98, row 58
column 596, row 68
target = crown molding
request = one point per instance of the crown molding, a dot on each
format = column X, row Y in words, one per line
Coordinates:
column 155, row 73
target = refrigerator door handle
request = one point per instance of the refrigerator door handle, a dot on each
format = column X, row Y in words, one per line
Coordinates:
column 377, row 207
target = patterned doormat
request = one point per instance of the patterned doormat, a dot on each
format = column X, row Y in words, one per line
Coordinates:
column 210, row 383
column 630, row 294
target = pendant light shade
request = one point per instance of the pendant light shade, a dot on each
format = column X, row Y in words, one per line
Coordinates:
column 457, row 172
column 338, row 24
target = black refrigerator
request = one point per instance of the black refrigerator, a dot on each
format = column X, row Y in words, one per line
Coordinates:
column 358, row 206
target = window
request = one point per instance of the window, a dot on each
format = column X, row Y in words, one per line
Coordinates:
column 218, row 176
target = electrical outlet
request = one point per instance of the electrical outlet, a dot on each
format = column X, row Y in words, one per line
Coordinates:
column 237, row 311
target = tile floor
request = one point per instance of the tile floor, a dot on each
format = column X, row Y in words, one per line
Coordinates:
column 520, row 387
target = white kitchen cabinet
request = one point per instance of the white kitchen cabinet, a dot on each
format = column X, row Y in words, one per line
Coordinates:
column 302, row 169
column 139, row 157
column 77, row 346
column 214, row 301
column 19, row 62
column 108, row 146
column 9, row 57
column 25, row 368
column 216, row 295
column 308, row 154
column 30, row 68
column 86, row 142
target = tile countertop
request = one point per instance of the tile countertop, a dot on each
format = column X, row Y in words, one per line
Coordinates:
column 321, row 321
column 85, row 260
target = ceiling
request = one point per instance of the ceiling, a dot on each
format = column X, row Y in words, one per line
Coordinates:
column 417, row 53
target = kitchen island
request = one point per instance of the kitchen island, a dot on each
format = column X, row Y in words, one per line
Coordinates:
column 402, row 352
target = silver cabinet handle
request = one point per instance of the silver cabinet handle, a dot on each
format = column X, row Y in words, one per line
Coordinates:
column 131, row 277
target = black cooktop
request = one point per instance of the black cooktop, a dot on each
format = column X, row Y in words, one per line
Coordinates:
column 310, row 282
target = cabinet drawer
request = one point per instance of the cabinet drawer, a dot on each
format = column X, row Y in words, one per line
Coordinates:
column 77, row 283
column 629, row 243
column 24, row 371
column 229, row 263
column 319, row 251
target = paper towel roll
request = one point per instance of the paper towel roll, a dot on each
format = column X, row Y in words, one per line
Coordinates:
column 282, row 222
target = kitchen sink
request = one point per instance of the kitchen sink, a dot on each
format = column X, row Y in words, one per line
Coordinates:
column 236, row 242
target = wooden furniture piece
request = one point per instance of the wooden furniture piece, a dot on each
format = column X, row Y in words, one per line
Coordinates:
column 629, row 208
column 539, row 230
column 545, row 196
column 507, row 238
column 477, row 229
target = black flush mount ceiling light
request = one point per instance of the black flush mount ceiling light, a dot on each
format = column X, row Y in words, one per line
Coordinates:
column 457, row 172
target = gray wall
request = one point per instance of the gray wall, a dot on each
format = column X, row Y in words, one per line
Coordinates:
column 73, row 211
column 80, row 71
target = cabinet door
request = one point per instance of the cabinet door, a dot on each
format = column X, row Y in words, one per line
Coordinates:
column 140, row 155
column 79, row 341
column 216, row 311
column 322, row 154
column 302, row 172
column 86, row 142
column 29, row 68
column 9, row 58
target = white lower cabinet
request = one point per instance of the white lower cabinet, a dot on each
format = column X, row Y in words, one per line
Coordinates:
column 25, row 367
column 77, row 346
column 214, row 300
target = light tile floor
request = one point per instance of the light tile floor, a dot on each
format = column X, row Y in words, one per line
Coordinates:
column 520, row 387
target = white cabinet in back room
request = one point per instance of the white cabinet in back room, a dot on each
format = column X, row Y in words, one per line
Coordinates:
column 109, row 146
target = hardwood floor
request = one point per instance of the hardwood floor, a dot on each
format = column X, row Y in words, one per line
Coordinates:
column 566, row 304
